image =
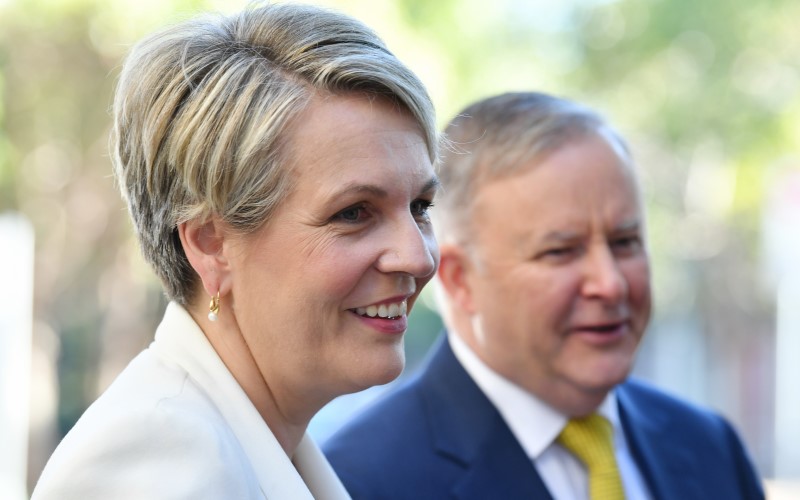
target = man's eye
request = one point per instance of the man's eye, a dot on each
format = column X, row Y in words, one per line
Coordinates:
column 627, row 243
column 559, row 252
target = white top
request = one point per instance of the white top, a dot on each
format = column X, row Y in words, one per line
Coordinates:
column 176, row 425
column 563, row 474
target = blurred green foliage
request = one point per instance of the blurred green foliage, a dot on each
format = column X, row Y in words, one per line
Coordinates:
column 707, row 92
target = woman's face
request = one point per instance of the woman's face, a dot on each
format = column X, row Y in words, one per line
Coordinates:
column 321, row 292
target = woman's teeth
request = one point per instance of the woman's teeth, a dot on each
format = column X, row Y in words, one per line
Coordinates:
column 383, row 310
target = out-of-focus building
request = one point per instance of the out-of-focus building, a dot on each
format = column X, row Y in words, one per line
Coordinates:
column 16, row 322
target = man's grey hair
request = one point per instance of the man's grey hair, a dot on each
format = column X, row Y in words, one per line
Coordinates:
column 498, row 136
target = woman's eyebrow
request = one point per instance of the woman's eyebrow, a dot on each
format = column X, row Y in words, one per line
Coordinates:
column 433, row 184
column 371, row 189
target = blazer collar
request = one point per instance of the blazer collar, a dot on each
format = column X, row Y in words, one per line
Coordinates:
column 468, row 430
column 181, row 342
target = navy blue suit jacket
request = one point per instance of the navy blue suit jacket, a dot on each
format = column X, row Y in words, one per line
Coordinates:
column 439, row 437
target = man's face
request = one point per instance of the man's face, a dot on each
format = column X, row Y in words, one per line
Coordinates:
column 558, row 275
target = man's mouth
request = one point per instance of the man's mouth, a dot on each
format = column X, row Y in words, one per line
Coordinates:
column 607, row 328
column 389, row 311
column 602, row 326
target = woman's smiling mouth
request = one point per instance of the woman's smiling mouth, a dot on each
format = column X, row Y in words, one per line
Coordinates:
column 391, row 310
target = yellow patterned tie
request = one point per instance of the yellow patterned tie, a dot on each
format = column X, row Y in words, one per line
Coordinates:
column 590, row 439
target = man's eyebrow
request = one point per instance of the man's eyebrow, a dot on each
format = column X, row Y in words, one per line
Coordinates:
column 629, row 226
column 567, row 236
column 560, row 236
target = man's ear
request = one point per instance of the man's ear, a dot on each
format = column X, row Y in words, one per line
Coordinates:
column 203, row 244
column 454, row 269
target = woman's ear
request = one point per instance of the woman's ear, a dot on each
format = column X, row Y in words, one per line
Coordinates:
column 203, row 244
column 454, row 269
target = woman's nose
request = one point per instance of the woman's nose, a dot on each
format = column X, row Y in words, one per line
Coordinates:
column 412, row 249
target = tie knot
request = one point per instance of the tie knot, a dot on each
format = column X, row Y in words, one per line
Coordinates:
column 591, row 440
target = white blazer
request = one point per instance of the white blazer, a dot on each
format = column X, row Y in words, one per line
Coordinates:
column 176, row 425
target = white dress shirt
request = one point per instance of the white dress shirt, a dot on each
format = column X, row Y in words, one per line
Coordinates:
column 536, row 427
column 174, row 425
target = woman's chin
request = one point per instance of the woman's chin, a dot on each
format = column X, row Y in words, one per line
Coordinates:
column 379, row 370
column 389, row 374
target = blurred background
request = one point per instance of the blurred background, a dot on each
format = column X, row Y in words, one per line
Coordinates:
column 708, row 94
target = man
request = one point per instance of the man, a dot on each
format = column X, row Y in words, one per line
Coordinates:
column 545, row 288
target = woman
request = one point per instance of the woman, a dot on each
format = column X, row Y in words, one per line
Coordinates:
column 277, row 164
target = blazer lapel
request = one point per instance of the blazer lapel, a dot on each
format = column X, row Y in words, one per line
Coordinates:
column 317, row 473
column 668, row 465
column 468, row 430
column 180, row 341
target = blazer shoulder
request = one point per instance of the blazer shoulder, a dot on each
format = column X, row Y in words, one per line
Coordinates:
column 670, row 434
column 135, row 442
column 396, row 421
column 421, row 439
column 638, row 398
column 380, row 454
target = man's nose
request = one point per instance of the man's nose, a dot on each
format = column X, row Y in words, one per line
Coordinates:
column 603, row 278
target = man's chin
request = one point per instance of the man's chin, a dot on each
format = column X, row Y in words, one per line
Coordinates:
column 604, row 379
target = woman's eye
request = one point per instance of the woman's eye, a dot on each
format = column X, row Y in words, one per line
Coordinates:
column 351, row 214
column 420, row 208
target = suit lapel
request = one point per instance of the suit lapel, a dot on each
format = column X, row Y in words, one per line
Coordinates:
column 469, row 431
column 501, row 470
column 669, row 466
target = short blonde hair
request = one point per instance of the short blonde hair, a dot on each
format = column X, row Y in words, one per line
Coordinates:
column 202, row 110
column 498, row 136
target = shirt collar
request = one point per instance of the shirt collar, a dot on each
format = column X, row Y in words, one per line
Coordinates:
column 519, row 407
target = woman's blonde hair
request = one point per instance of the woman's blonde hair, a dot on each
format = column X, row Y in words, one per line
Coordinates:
column 202, row 110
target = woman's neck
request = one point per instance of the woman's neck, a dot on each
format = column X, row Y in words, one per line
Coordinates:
column 287, row 416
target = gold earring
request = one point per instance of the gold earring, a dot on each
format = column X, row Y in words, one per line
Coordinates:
column 213, row 307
